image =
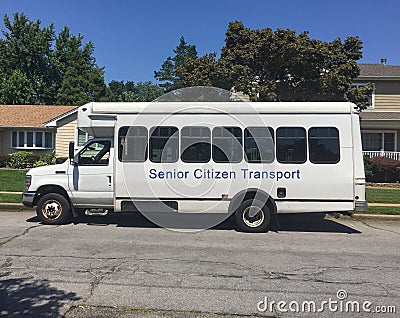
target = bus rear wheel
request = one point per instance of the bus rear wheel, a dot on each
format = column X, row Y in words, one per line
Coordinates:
column 53, row 208
column 253, row 216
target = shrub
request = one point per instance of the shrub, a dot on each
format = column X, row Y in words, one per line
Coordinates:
column 40, row 163
column 49, row 158
column 385, row 170
column 367, row 167
column 30, row 160
column 19, row 160
column 4, row 159
column 22, row 160
column 61, row 159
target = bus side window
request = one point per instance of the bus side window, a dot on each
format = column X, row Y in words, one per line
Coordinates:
column 164, row 144
column 195, row 144
column 227, row 144
column 324, row 145
column 291, row 145
column 259, row 144
column 132, row 144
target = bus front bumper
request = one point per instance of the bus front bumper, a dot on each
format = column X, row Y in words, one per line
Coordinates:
column 361, row 206
column 27, row 198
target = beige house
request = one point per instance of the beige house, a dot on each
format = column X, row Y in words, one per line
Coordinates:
column 65, row 126
column 22, row 128
column 380, row 123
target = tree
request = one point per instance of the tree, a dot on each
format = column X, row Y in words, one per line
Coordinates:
column 77, row 70
column 131, row 92
column 281, row 65
column 25, row 53
column 38, row 67
column 169, row 73
column 146, row 92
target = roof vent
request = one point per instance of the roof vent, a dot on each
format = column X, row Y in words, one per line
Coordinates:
column 383, row 61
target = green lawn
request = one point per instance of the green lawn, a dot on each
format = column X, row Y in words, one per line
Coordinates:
column 379, row 195
column 394, row 210
column 10, row 198
column 12, row 180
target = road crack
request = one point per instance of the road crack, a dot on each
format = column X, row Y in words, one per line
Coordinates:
column 2, row 243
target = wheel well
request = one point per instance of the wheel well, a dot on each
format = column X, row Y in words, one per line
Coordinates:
column 43, row 190
column 252, row 194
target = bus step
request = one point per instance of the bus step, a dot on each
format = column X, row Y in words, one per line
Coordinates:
column 96, row 212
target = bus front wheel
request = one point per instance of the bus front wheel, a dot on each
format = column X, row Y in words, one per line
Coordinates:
column 253, row 216
column 53, row 208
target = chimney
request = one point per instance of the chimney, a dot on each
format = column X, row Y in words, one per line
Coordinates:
column 383, row 61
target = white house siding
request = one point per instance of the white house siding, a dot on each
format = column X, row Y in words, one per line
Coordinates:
column 65, row 134
column 387, row 102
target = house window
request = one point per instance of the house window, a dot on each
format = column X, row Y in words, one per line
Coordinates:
column 378, row 141
column 371, row 96
column 32, row 139
column 82, row 137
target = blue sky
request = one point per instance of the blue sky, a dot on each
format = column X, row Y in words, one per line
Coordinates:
column 133, row 38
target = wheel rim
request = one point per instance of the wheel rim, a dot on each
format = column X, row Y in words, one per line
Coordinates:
column 52, row 209
column 253, row 216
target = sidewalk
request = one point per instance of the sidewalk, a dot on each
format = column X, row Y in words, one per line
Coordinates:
column 384, row 204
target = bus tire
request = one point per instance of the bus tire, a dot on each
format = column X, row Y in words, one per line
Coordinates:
column 253, row 216
column 54, row 209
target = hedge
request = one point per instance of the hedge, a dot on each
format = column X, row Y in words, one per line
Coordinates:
column 381, row 169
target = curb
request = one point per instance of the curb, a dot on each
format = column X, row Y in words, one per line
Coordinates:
column 18, row 207
column 359, row 216
column 15, row 207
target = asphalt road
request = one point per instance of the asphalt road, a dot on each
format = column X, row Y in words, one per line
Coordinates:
column 123, row 266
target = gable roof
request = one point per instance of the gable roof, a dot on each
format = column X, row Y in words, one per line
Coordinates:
column 54, row 122
column 30, row 115
column 379, row 71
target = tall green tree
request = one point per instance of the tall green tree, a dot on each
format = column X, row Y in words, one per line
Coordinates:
column 78, row 77
column 281, row 65
column 39, row 67
column 131, row 92
column 25, row 53
column 169, row 74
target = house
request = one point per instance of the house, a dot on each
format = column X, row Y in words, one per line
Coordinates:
column 380, row 122
column 22, row 127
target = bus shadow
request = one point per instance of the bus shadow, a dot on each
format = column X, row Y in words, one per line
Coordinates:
column 299, row 222
column 312, row 222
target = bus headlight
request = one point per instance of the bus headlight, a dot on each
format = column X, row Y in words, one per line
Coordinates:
column 28, row 181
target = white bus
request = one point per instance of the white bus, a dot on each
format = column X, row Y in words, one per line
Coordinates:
column 250, row 160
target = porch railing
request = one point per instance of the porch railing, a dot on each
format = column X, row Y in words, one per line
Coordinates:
column 387, row 154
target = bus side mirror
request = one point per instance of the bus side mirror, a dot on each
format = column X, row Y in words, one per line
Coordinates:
column 71, row 152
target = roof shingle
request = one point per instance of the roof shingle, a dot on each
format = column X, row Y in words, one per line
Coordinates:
column 30, row 115
column 379, row 70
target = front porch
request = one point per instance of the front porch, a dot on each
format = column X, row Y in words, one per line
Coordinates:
column 387, row 154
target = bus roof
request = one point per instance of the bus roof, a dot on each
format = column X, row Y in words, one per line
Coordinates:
column 116, row 108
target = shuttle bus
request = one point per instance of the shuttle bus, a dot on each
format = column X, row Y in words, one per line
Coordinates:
column 248, row 160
